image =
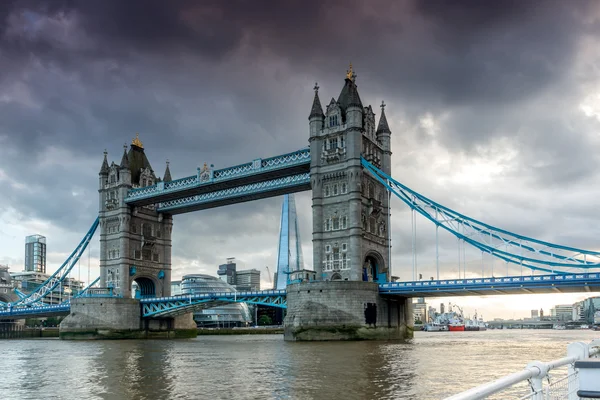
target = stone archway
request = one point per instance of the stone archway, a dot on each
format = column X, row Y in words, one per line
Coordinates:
column 374, row 268
column 336, row 277
column 144, row 287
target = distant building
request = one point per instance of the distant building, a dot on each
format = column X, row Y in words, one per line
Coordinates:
column 420, row 310
column 534, row 314
column 175, row 288
column 35, row 253
column 247, row 280
column 228, row 315
column 442, row 308
column 562, row 312
column 30, row 281
column 227, row 271
column 5, row 284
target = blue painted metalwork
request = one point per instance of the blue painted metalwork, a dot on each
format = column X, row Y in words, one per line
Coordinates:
column 85, row 290
column 39, row 311
column 521, row 250
column 257, row 166
column 61, row 273
column 175, row 305
column 488, row 286
column 265, row 187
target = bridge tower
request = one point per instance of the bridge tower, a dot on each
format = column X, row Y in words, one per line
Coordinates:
column 135, row 243
column 351, row 245
column 350, row 208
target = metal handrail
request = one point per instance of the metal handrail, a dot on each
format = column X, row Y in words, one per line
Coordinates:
column 534, row 371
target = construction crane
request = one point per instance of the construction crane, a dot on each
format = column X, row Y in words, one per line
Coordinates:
column 269, row 276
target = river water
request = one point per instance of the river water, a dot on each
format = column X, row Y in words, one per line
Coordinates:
column 433, row 365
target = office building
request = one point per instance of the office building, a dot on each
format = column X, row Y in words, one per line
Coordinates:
column 420, row 310
column 534, row 314
column 35, row 254
column 562, row 312
column 247, row 280
column 175, row 288
column 30, row 281
column 227, row 271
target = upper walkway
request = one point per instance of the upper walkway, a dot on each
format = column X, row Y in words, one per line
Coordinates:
column 565, row 283
column 212, row 188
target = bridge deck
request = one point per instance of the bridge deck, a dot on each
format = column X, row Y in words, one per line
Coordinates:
column 572, row 283
column 224, row 179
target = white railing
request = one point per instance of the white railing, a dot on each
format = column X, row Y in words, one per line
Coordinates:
column 542, row 386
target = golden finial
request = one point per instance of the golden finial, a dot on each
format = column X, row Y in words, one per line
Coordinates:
column 349, row 73
column 137, row 142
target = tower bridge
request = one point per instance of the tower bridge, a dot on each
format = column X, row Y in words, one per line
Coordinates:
column 347, row 168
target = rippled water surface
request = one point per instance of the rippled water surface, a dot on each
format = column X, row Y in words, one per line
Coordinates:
column 432, row 366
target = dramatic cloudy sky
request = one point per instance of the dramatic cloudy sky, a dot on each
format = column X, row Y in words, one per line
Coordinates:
column 494, row 108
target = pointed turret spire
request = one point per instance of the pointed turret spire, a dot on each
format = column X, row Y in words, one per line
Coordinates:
column 317, row 109
column 104, row 167
column 349, row 95
column 124, row 159
column 167, row 177
column 383, row 126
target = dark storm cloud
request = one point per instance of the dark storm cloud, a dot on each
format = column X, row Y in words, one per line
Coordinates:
column 225, row 82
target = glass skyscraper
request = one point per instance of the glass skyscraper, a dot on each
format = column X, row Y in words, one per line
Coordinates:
column 35, row 253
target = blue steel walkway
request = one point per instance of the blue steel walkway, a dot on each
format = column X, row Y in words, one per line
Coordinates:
column 176, row 305
column 567, row 283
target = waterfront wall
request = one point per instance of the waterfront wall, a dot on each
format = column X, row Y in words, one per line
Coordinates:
column 120, row 318
column 345, row 310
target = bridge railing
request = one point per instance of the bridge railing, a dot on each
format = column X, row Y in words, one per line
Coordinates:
column 537, row 374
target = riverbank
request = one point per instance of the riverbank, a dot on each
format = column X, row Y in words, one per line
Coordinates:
column 28, row 333
column 240, row 331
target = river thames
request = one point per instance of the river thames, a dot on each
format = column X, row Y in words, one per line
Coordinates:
column 433, row 365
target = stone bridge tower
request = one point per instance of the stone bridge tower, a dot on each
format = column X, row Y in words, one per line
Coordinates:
column 135, row 242
column 351, row 243
column 350, row 208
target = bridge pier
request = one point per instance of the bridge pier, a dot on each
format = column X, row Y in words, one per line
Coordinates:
column 121, row 318
column 345, row 310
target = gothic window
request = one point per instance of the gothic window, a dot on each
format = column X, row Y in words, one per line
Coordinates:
column 146, row 254
column 327, row 224
column 327, row 249
column 333, row 143
column 371, row 190
column 333, row 120
column 344, row 188
column 336, row 258
column 155, row 257
column 344, row 246
column 147, row 229
column 344, row 220
column 342, row 141
column 137, row 254
column 327, row 194
column 113, row 178
column 335, row 189
column 336, row 223
column 327, row 262
column 344, row 261
column 144, row 182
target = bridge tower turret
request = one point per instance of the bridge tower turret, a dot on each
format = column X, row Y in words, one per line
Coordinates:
column 350, row 208
column 351, row 246
column 135, row 242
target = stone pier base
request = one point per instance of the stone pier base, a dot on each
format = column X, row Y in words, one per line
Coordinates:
column 118, row 318
column 344, row 310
